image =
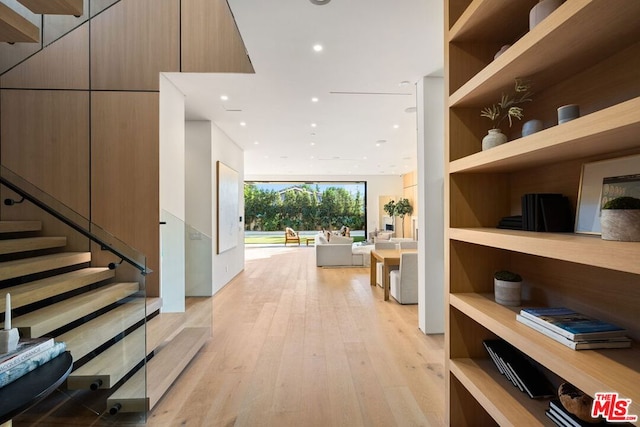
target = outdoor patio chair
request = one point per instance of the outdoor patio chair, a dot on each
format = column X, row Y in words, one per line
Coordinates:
column 291, row 236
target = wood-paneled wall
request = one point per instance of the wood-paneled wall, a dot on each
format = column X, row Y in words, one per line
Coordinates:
column 207, row 43
column 80, row 118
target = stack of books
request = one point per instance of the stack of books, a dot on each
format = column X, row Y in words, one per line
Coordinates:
column 29, row 354
column 563, row 418
column 518, row 369
column 546, row 212
column 573, row 329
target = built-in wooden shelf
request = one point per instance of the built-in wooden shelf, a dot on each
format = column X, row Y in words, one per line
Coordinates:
column 619, row 125
column 585, row 52
column 472, row 25
column 498, row 396
column 546, row 53
column 578, row 248
column 590, row 370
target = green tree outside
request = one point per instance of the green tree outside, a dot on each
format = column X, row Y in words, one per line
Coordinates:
column 302, row 208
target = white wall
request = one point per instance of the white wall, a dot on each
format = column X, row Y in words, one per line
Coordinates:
column 206, row 144
column 172, row 197
column 229, row 263
column 430, row 116
column 198, row 209
column 377, row 185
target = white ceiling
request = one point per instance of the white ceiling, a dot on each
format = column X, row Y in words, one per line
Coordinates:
column 370, row 47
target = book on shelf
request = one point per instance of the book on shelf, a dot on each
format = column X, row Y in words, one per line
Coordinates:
column 31, row 363
column 564, row 418
column 571, row 324
column 588, row 344
column 27, row 347
column 518, row 369
column 546, row 212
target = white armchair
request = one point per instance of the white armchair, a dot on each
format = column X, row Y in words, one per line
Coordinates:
column 379, row 266
column 404, row 281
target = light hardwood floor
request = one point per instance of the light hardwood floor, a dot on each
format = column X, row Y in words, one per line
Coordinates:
column 298, row 345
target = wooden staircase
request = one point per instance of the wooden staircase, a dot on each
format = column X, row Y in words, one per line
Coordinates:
column 109, row 327
column 15, row 28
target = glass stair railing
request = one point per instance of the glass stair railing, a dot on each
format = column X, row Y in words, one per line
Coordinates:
column 82, row 286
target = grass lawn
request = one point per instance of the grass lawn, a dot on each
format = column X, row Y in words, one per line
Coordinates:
column 275, row 240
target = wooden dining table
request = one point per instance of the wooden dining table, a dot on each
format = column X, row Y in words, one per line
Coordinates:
column 388, row 258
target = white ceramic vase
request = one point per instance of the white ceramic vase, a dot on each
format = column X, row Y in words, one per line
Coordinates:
column 494, row 138
column 507, row 293
column 541, row 11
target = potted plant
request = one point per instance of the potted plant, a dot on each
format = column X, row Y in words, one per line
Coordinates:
column 403, row 207
column 507, row 288
column 620, row 219
column 506, row 109
column 390, row 209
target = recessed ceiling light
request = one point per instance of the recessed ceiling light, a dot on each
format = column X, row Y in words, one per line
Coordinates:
column 312, row 143
column 404, row 83
column 313, row 125
column 410, row 110
column 317, row 47
column 256, row 142
column 319, row 2
column 396, row 126
column 243, row 123
column 364, row 158
column 224, row 97
column 381, row 141
column 314, row 99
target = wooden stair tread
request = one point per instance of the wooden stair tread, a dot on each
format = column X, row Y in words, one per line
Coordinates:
column 111, row 365
column 153, row 304
column 162, row 371
column 26, row 266
column 92, row 334
column 40, row 322
column 54, row 7
column 19, row 226
column 163, row 327
column 39, row 290
column 15, row 28
column 11, row 246
column 126, row 353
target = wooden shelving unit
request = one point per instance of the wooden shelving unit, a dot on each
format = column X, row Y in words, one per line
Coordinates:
column 586, row 52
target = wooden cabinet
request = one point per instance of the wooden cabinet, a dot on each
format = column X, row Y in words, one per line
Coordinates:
column 586, row 52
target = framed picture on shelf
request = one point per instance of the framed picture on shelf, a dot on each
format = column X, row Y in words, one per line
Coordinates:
column 600, row 182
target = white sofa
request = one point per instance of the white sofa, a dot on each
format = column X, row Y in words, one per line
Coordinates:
column 336, row 252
